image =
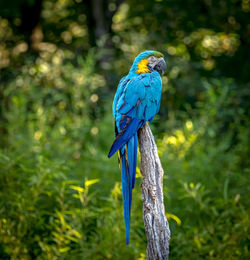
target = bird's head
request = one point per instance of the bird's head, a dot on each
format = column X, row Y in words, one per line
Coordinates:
column 149, row 61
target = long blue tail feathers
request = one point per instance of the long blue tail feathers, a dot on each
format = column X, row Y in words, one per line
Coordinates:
column 128, row 170
column 126, row 143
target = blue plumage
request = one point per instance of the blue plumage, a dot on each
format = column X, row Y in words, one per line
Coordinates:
column 136, row 101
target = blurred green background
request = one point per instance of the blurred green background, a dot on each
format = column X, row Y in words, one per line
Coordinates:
column 60, row 63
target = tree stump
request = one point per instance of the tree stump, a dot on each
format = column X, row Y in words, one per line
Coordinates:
column 155, row 221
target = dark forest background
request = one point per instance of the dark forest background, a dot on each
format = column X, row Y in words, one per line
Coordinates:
column 60, row 63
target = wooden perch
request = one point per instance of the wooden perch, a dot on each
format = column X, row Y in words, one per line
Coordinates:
column 155, row 221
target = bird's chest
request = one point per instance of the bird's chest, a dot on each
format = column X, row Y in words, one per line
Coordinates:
column 152, row 93
column 153, row 89
column 151, row 101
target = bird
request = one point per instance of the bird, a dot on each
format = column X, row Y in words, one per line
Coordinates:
column 136, row 101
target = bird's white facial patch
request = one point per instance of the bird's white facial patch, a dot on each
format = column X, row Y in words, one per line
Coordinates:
column 152, row 61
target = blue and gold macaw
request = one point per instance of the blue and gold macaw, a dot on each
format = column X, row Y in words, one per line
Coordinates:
column 136, row 101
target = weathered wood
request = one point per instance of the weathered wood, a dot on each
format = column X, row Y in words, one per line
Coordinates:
column 155, row 221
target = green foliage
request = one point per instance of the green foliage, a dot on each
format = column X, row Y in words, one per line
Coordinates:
column 60, row 197
column 205, row 176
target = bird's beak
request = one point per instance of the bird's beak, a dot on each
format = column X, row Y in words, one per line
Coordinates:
column 161, row 66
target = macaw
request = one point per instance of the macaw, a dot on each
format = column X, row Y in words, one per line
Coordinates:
column 136, row 101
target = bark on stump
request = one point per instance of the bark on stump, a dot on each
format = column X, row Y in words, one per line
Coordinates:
column 155, row 221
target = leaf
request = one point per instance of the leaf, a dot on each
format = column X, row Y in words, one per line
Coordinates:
column 77, row 234
column 77, row 188
column 91, row 182
column 174, row 217
column 65, row 249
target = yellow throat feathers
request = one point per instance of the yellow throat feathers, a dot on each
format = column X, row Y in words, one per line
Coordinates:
column 142, row 66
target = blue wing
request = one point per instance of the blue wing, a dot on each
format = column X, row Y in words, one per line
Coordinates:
column 137, row 100
column 119, row 92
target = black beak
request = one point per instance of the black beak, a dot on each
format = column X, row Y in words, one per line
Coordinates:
column 161, row 66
